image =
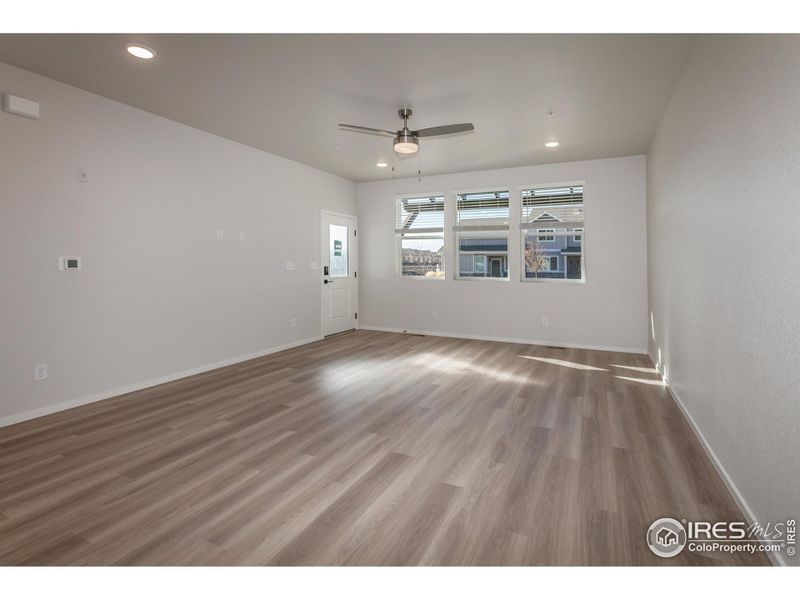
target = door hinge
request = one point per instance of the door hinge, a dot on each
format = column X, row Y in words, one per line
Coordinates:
column 355, row 274
column 356, row 315
column 355, row 233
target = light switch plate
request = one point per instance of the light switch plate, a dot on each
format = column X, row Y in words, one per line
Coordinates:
column 70, row 263
column 290, row 265
column 220, row 234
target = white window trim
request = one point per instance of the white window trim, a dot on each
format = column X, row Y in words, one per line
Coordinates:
column 398, row 245
column 523, row 232
column 483, row 189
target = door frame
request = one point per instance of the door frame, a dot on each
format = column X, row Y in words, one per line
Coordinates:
column 353, row 261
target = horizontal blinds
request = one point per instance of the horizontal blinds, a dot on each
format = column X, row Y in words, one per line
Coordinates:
column 486, row 211
column 552, row 208
column 420, row 215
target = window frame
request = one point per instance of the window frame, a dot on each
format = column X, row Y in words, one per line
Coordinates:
column 485, row 189
column 398, row 244
column 523, row 231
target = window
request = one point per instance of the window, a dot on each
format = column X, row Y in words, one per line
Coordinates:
column 548, row 264
column 480, row 263
column 552, row 227
column 338, row 252
column 545, row 238
column 482, row 235
column 419, row 228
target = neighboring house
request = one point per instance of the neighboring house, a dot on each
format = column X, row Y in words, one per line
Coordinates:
column 421, row 262
column 557, row 256
column 483, row 257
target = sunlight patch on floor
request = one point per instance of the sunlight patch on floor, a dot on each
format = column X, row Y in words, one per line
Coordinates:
column 640, row 369
column 564, row 363
column 647, row 381
column 454, row 366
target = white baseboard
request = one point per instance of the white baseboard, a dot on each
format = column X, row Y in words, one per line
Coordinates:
column 54, row 408
column 488, row 338
column 734, row 491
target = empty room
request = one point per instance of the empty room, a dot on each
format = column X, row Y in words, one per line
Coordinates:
column 399, row 299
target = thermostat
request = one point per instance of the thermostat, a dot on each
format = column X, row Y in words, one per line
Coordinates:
column 70, row 263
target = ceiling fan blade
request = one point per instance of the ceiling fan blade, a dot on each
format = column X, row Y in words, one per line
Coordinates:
column 369, row 130
column 445, row 129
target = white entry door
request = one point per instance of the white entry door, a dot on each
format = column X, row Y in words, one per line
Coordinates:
column 339, row 272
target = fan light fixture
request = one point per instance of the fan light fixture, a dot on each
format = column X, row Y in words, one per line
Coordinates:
column 406, row 144
column 551, row 144
column 406, row 141
column 140, row 51
column 381, row 164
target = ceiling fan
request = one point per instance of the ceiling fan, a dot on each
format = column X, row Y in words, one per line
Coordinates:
column 406, row 141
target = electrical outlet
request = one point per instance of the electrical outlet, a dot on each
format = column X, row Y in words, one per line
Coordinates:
column 220, row 234
column 39, row 372
column 242, row 236
column 435, row 314
column 83, row 176
column 545, row 322
column 294, row 322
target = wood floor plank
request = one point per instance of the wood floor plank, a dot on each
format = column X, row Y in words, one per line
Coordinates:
column 366, row 448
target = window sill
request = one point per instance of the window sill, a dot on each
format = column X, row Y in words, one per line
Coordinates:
column 552, row 280
column 415, row 278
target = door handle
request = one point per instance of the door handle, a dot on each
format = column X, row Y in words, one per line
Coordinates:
column 325, row 281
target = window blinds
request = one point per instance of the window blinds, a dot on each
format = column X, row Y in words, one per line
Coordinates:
column 560, row 207
column 420, row 215
column 487, row 211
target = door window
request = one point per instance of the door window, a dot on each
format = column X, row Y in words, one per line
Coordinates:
column 339, row 265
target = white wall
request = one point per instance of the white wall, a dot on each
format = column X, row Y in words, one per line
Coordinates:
column 158, row 294
column 724, row 260
column 608, row 311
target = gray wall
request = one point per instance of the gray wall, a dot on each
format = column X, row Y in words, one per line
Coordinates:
column 608, row 311
column 158, row 293
column 724, row 260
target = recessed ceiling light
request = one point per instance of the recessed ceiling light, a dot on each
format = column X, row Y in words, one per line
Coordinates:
column 551, row 144
column 140, row 51
column 381, row 164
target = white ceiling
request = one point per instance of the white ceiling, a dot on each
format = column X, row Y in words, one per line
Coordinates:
column 286, row 93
